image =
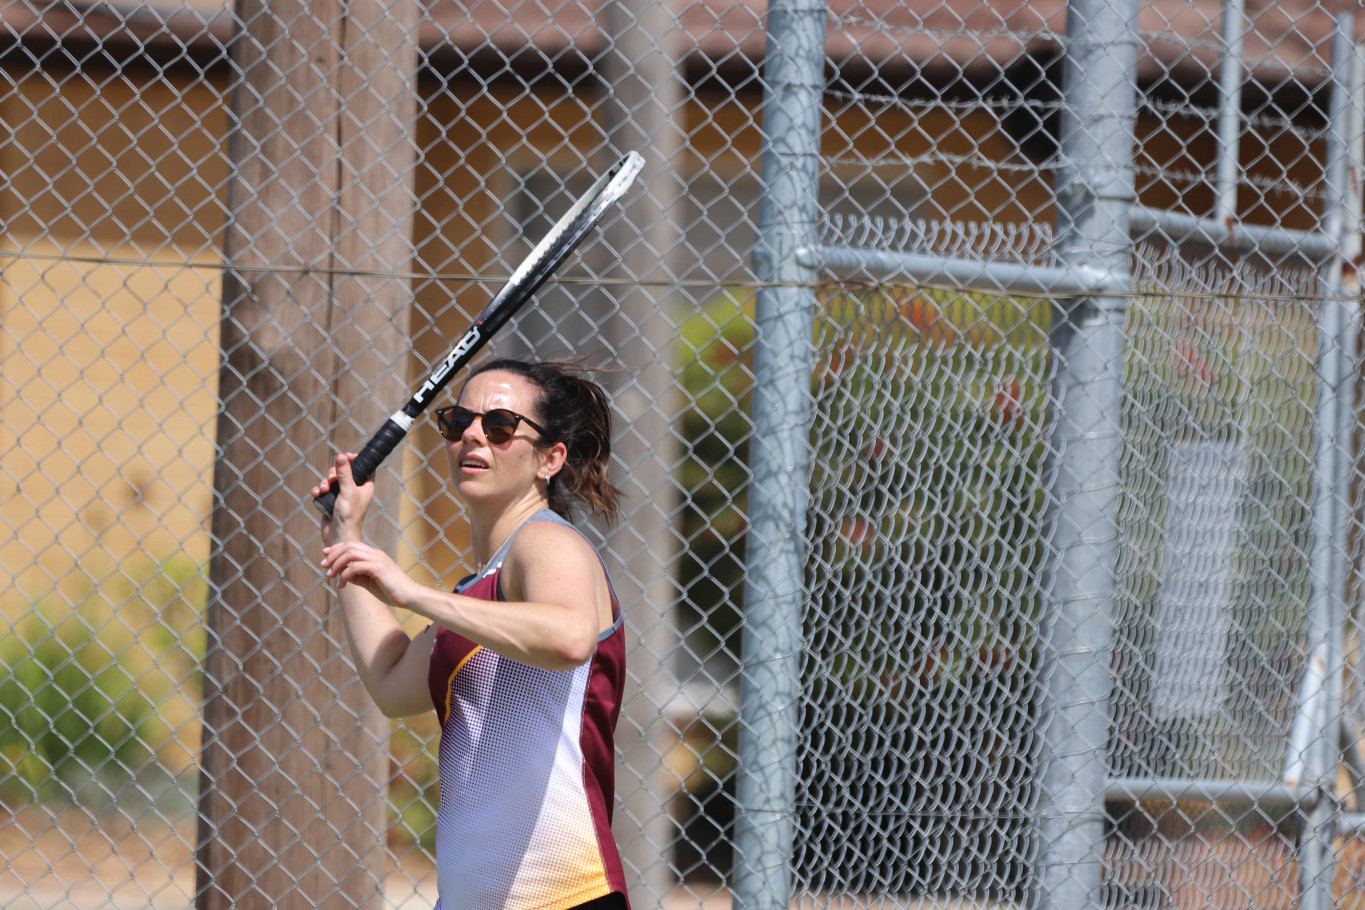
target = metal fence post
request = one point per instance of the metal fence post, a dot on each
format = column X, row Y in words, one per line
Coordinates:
column 1335, row 422
column 1230, row 75
column 1094, row 187
column 770, row 687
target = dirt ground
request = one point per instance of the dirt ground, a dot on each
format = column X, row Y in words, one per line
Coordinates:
column 74, row 861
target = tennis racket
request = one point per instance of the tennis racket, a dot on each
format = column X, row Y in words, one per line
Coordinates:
column 539, row 265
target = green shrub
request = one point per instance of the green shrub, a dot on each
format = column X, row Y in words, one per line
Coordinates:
column 413, row 788
column 923, row 538
column 97, row 685
column 717, row 349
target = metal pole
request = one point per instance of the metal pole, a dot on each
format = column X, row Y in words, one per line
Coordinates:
column 1229, row 113
column 1268, row 240
column 770, row 685
column 1094, row 186
column 1331, row 487
column 990, row 277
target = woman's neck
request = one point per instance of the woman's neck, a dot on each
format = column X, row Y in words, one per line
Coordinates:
column 488, row 533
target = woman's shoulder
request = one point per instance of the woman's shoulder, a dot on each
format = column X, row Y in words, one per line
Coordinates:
column 549, row 540
column 556, row 560
column 548, row 529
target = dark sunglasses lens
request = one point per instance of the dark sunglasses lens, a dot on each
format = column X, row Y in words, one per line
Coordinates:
column 454, row 421
column 499, row 425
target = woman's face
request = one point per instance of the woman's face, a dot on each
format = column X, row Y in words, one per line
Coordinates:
column 486, row 472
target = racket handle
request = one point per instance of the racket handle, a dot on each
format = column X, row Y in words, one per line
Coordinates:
column 369, row 458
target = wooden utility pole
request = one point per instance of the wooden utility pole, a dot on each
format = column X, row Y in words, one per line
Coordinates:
column 294, row 766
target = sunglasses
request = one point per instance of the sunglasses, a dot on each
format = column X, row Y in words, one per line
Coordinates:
column 499, row 424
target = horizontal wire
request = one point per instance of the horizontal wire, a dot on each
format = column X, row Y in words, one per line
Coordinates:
column 722, row 282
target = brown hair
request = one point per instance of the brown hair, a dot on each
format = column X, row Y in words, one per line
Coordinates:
column 573, row 410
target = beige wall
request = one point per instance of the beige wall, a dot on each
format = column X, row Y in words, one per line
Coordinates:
column 108, row 354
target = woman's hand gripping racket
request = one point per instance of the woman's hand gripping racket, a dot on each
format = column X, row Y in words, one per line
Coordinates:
column 548, row 255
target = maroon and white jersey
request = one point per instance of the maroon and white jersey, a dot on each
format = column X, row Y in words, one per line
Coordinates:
column 527, row 769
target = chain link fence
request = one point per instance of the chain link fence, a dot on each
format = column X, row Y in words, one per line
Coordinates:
column 985, row 378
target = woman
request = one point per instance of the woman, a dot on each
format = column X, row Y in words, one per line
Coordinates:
column 524, row 662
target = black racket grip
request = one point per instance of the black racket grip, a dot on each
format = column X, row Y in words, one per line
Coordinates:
column 366, row 461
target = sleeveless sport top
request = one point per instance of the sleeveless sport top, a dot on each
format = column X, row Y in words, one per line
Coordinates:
column 527, row 769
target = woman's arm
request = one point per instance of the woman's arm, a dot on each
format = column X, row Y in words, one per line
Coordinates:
column 557, row 602
column 392, row 665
